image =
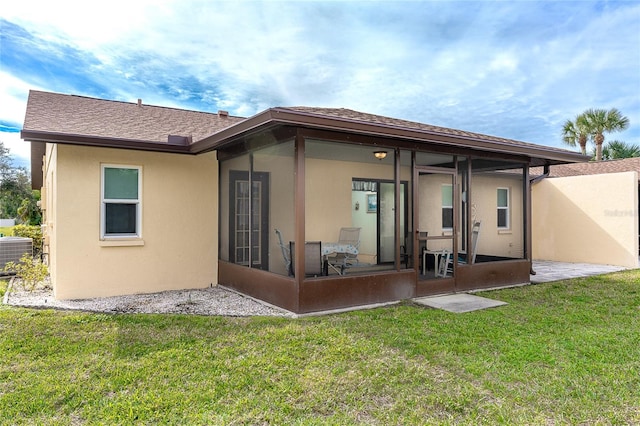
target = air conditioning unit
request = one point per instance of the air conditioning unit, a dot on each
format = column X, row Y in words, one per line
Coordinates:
column 13, row 248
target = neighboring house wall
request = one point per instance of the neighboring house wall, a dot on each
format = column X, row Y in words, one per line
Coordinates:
column 179, row 244
column 590, row 219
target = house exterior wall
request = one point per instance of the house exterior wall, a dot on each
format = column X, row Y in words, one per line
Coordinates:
column 331, row 180
column 491, row 241
column 590, row 219
column 48, row 205
column 178, row 248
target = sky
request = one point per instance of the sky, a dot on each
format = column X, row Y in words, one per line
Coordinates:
column 515, row 69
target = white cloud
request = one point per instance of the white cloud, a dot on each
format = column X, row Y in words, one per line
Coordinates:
column 511, row 69
column 19, row 149
column 85, row 24
column 14, row 93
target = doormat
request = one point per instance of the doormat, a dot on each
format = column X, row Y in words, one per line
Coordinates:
column 458, row 303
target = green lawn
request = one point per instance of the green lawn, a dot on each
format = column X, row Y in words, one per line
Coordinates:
column 559, row 353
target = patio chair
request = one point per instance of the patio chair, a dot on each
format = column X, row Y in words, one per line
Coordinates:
column 341, row 261
column 475, row 233
column 444, row 264
column 286, row 254
column 312, row 258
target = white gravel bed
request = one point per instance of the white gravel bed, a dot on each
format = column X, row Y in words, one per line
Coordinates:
column 209, row 301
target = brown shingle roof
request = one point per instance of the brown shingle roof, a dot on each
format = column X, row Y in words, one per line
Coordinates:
column 80, row 115
column 348, row 114
column 591, row 168
column 58, row 118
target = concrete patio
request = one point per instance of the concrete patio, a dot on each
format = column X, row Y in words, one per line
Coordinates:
column 547, row 271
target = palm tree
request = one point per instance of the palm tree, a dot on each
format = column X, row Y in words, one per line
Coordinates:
column 617, row 149
column 600, row 121
column 576, row 133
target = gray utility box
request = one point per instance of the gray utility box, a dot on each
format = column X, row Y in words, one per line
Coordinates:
column 13, row 248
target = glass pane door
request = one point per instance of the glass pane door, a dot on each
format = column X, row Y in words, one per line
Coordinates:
column 248, row 219
column 386, row 219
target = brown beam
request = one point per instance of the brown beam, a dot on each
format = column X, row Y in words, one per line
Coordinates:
column 299, row 208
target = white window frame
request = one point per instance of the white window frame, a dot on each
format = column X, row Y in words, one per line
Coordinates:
column 507, row 208
column 104, row 202
column 450, row 186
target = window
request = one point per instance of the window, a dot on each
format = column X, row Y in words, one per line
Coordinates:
column 503, row 208
column 120, row 211
column 447, row 207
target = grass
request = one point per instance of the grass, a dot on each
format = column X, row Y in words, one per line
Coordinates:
column 4, row 284
column 559, row 353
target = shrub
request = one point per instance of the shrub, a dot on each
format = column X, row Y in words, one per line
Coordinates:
column 31, row 270
column 33, row 232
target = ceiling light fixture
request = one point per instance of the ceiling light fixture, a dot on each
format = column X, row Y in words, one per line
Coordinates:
column 380, row 154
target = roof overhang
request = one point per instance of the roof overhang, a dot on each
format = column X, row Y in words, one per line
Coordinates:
column 38, row 140
column 539, row 155
column 140, row 145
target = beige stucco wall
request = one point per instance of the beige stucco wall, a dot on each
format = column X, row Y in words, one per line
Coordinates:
column 329, row 203
column 491, row 240
column 179, row 244
column 48, row 203
column 590, row 219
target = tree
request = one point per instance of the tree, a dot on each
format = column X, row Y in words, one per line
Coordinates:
column 17, row 200
column 5, row 162
column 576, row 133
column 601, row 121
column 29, row 211
column 617, row 149
column 14, row 188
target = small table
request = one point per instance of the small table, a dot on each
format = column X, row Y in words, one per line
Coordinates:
column 436, row 260
column 338, row 248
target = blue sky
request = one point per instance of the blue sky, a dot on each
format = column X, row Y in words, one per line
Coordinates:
column 514, row 69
